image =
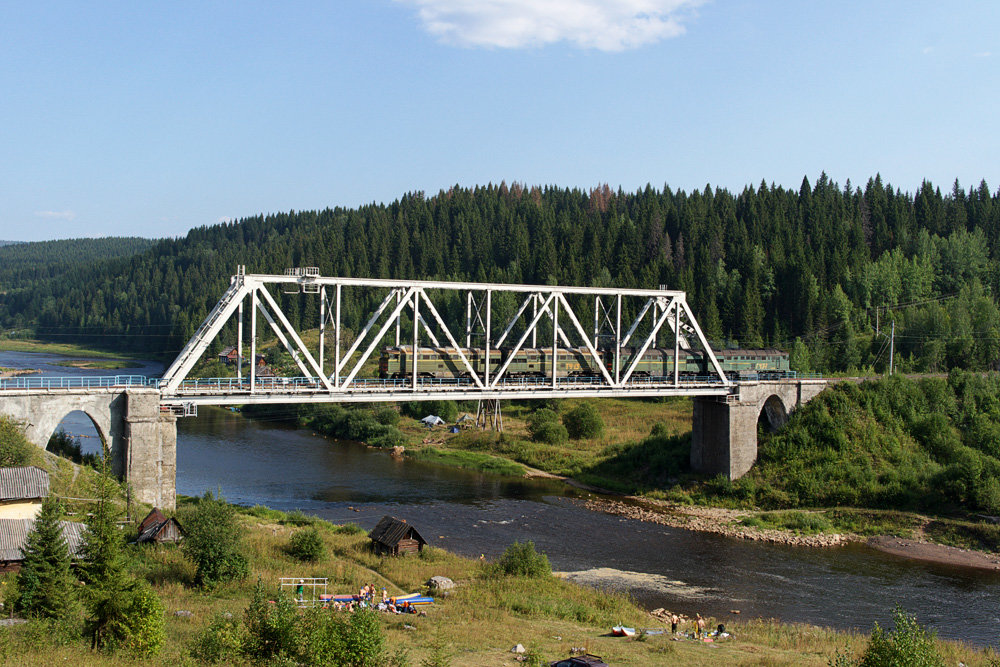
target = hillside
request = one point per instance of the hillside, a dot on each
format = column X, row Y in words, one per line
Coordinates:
column 812, row 270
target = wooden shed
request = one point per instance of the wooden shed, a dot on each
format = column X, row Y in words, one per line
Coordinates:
column 21, row 491
column 396, row 537
column 158, row 529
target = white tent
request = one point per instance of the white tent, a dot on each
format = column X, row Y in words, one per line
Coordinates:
column 432, row 420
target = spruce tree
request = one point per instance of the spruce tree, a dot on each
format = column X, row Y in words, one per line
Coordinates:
column 45, row 586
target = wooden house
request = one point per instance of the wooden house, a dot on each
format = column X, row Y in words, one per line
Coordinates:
column 229, row 355
column 21, row 491
column 396, row 537
column 158, row 529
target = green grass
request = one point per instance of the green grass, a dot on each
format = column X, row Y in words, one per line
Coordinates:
column 470, row 461
column 68, row 349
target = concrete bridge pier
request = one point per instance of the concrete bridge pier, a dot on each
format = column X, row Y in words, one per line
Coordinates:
column 142, row 439
column 724, row 428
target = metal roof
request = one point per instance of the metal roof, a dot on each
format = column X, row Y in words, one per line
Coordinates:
column 23, row 482
column 14, row 532
column 390, row 531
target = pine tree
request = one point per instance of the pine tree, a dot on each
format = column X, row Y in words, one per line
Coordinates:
column 45, row 586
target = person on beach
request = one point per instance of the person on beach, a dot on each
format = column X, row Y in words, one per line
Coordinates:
column 700, row 627
column 674, row 620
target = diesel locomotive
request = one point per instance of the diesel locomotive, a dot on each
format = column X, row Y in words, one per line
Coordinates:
column 446, row 363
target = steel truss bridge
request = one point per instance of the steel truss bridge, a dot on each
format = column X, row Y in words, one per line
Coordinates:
column 409, row 312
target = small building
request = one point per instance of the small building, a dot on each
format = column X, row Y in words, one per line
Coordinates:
column 229, row 355
column 14, row 534
column 396, row 537
column 158, row 529
column 21, row 492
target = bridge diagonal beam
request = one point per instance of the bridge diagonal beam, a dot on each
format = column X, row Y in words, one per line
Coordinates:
column 657, row 325
column 281, row 337
column 302, row 349
column 427, row 329
column 520, row 342
column 701, row 338
column 368, row 327
column 635, row 324
column 451, row 339
column 546, row 310
column 209, row 329
column 381, row 332
column 590, row 346
column 520, row 311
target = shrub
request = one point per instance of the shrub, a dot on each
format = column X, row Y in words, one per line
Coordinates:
column 15, row 450
column 307, row 545
column 214, row 542
column 387, row 416
column 521, row 560
column 537, row 419
column 131, row 620
column 551, row 433
column 908, row 644
column 272, row 631
column 221, row 641
column 583, row 421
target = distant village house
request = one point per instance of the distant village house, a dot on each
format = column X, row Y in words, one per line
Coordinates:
column 157, row 528
column 395, row 537
column 21, row 492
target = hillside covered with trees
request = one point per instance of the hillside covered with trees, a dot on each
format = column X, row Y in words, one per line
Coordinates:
column 817, row 271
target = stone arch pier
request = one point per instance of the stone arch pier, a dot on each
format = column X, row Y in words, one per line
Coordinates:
column 142, row 439
column 724, row 429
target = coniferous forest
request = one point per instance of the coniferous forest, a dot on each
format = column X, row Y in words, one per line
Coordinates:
column 823, row 271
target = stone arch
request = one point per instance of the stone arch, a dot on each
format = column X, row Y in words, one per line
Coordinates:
column 773, row 413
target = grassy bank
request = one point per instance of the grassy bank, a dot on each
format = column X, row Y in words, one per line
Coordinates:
column 68, row 349
column 476, row 624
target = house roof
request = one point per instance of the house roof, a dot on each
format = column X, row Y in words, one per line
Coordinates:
column 153, row 530
column 390, row 531
column 227, row 351
column 14, row 532
column 23, row 483
column 154, row 517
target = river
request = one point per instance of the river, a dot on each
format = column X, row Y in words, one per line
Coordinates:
column 256, row 462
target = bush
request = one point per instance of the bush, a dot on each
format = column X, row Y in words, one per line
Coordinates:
column 307, row 545
column 551, row 433
column 221, row 641
column 357, row 641
column 907, row 645
column 583, row 421
column 15, row 450
column 214, row 542
column 272, row 631
column 521, row 560
column 387, row 416
column 131, row 621
column 539, row 418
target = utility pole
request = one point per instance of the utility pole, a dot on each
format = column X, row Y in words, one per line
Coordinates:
column 892, row 346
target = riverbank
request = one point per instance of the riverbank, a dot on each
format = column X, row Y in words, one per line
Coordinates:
column 481, row 619
column 15, row 372
column 67, row 349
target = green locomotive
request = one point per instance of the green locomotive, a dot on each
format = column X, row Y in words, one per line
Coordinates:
column 446, row 363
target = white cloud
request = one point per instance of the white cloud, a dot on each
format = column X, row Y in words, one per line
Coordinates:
column 984, row 54
column 56, row 215
column 607, row 25
column 224, row 219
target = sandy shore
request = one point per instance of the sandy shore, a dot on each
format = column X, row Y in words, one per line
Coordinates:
column 723, row 522
column 936, row 553
column 711, row 520
column 14, row 372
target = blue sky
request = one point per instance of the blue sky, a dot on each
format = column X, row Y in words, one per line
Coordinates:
column 125, row 118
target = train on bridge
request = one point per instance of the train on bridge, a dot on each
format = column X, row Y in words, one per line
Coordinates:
column 527, row 363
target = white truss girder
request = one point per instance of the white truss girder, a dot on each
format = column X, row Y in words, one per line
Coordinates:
column 410, row 299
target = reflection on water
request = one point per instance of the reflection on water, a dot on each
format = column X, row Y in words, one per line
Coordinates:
column 847, row 587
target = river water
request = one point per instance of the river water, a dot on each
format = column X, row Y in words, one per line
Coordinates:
column 257, row 462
